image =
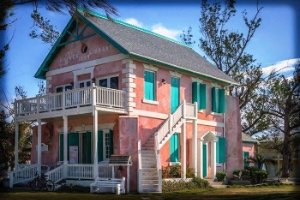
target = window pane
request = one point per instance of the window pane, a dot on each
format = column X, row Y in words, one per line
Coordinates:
column 59, row 89
column 88, row 83
column 68, row 88
column 103, row 82
column 81, row 85
column 114, row 82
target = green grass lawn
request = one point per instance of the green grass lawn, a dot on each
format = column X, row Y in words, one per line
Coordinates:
column 255, row 193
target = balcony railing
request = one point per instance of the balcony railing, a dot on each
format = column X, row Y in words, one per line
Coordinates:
column 80, row 97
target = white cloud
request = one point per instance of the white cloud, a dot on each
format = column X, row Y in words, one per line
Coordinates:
column 282, row 66
column 134, row 22
column 170, row 33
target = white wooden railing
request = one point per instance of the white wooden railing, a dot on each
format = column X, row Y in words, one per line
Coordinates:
column 158, row 165
column 56, row 175
column 140, row 172
column 70, row 99
column 84, row 171
column 22, row 175
column 185, row 110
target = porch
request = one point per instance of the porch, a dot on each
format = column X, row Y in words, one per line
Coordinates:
column 26, row 173
column 72, row 102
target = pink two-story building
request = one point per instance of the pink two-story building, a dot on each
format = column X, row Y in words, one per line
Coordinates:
column 117, row 89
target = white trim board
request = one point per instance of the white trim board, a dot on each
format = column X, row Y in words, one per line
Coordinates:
column 88, row 64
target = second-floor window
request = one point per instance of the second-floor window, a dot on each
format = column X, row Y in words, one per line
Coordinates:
column 199, row 94
column 149, row 85
column 63, row 88
column 218, row 100
column 83, row 84
column 110, row 82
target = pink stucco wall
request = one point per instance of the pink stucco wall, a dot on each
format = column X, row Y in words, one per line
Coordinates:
column 249, row 147
column 234, row 159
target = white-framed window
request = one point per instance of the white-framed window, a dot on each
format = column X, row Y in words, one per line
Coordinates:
column 109, row 82
column 85, row 83
column 63, row 88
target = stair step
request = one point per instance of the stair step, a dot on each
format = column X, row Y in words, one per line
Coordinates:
column 149, row 182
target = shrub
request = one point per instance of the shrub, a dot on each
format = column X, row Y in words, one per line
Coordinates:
column 171, row 186
column 260, row 175
column 201, row 183
column 190, row 173
column 221, row 176
column 74, row 188
column 171, row 171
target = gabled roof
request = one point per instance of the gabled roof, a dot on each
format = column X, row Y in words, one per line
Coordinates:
column 248, row 139
column 143, row 45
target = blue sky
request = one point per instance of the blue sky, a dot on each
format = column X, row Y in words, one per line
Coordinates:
column 274, row 44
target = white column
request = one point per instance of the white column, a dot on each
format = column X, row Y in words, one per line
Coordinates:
column 194, row 147
column 39, row 143
column 183, row 152
column 95, row 139
column 213, row 158
column 16, row 145
column 200, row 158
column 65, row 129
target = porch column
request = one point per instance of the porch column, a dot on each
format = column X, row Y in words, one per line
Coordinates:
column 183, row 152
column 213, row 158
column 39, row 144
column 194, row 147
column 95, row 139
column 16, row 145
column 65, row 129
column 200, row 158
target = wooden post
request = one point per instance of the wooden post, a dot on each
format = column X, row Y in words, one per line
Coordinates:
column 39, row 144
column 65, row 129
column 16, row 145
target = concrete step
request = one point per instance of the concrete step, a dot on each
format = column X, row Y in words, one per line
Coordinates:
column 150, row 182
column 216, row 184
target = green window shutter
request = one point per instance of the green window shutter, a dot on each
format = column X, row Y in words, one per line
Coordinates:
column 100, row 146
column 215, row 99
column 149, row 85
column 202, row 104
column 88, row 146
column 222, row 101
column 73, row 140
column 174, row 140
column 61, row 147
column 221, row 150
column 195, row 91
column 246, row 155
column 111, row 142
column 174, row 94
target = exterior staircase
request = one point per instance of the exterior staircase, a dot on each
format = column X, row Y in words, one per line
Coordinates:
column 150, row 182
column 149, row 153
column 216, row 184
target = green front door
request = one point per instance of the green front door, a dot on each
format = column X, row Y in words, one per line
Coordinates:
column 86, row 151
column 174, row 148
column 204, row 160
column 174, row 94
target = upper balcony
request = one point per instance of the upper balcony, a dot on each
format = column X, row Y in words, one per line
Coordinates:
column 73, row 102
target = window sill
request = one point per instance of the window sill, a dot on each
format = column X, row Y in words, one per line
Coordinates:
column 219, row 114
column 174, row 163
column 150, row 102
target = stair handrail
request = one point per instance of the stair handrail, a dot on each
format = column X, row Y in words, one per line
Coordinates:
column 56, row 174
column 140, row 172
column 158, row 165
column 169, row 123
column 22, row 175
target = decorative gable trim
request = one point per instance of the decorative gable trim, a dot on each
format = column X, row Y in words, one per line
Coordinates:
column 150, row 67
column 175, row 74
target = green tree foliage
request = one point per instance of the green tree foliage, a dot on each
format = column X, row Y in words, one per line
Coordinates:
column 43, row 29
column 225, row 48
column 284, row 112
column 7, row 135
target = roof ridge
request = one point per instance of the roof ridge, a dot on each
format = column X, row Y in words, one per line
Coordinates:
column 133, row 26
